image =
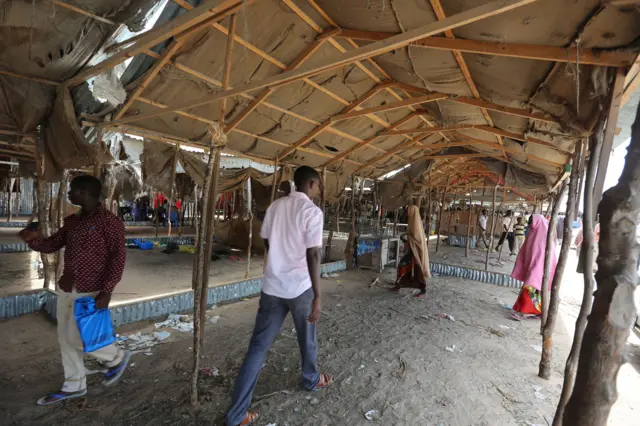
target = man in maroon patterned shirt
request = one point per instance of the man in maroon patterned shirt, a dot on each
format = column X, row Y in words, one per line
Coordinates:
column 94, row 259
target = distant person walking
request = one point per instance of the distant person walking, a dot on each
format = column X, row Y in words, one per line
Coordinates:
column 519, row 234
column 292, row 230
column 482, row 228
column 529, row 268
column 507, row 232
column 94, row 259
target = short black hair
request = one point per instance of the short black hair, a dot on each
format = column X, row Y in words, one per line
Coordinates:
column 88, row 183
column 304, row 174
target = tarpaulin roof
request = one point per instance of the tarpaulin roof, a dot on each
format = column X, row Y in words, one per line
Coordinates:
column 497, row 98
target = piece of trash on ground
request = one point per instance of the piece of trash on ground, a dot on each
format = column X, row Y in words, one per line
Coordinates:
column 496, row 332
column 161, row 335
column 375, row 282
column 537, row 393
column 327, row 275
column 214, row 320
column 537, row 348
column 314, row 401
column 178, row 322
column 210, row 371
column 504, row 327
column 372, row 415
column 447, row 316
column 272, row 424
column 450, row 348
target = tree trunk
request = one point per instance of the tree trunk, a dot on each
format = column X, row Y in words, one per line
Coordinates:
column 587, row 296
column 544, row 370
column 551, row 241
column 612, row 315
column 493, row 226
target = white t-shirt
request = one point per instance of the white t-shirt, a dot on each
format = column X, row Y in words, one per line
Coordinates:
column 483, row 222
column 292, row 225
column 508, row 223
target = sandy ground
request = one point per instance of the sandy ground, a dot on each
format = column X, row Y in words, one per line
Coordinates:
column 10, row 235
column 388, row 352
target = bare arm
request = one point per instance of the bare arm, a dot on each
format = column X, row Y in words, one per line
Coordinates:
column 314, row 257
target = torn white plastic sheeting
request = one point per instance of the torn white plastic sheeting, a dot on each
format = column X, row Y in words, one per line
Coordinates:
column 372, row 415
column 327, row 275
column 177, row 322
column 107, row 86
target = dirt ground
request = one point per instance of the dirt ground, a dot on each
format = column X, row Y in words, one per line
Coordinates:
column 388, row 352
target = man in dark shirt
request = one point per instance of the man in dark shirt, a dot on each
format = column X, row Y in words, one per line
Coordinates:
column 94, row 260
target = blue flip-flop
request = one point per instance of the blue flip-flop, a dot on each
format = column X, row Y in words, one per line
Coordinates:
column 114, row 373
column 54, row 398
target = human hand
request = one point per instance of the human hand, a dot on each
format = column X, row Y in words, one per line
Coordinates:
column 102, row 300
column 315, row 311
column 29, row 235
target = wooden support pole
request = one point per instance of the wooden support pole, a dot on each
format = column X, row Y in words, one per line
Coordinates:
column 274, row 185
column 609, row 135
column 494, row 219
column 612, row 314
column 10, row 183
column 395, row 222
column 554, row 300
column 551, row 241
column 157, row 209
column 428, row 211
column 200, row 272
column 60, row 213
column 444, row 193
column 350, row 246
column 587, row 253
column 323, row 194
column 249, row 207
column 466, row 248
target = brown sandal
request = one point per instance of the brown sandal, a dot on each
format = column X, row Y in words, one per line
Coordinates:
column 324, row 381
column 250, row 418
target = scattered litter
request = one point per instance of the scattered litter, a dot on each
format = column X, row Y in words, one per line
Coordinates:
column 187, row 248
column 133, row 364
column 537, row 393
column 326, row 275
column 314, row 401
column 496, row 332
column 210, row 371
column 235, row 258
column 504, row 327
column 161, row 335
column 375, row 282
column 447, row 316
column 507, row 306
column 177, row 322
column 372, row 415
column 214, row 320
column 534, row 424
column 450, row 348
column 361, row 366
column 271, row 424
column 537, row 348
column 338, row 305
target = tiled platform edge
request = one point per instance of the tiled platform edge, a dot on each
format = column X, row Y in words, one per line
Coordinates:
column 489, row 277
column 33, row 301
column 22, row 247
column 5, row 224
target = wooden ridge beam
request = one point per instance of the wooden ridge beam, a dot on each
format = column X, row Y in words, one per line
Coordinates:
column 382, row 108
column 618, row 58
column 427, row 130
column 373, row 49
column 194, row 20
column 445, row 156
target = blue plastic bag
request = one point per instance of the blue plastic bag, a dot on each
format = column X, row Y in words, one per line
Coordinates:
column 95, row 326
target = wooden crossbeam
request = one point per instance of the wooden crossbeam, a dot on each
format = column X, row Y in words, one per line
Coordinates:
column 373, row 49
column 445, row 156
column 521, row 137
column 401, row 146
column 315, row 132
column 194, row 20
column 427, row 130
column 518, row 112
column 369, row 140
column 402, row 104
column 515, row 50
column 28, row 77
column 84, row 12
column 630, row 89
column 226, row 71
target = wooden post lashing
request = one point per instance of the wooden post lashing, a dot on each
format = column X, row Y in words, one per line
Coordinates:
column 612, row 313
column 554, row 300
column 493, row 226
column 587, row 254
column 249, row 208
column 439, row 225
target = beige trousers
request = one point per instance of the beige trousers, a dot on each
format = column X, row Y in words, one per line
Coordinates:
column 519, row 243
column 71, row 345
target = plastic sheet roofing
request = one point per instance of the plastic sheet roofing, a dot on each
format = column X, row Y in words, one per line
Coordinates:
column 479, row 98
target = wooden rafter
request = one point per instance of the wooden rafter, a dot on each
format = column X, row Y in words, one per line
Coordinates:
column 389, row 107
column 194, row 20
column 445, row 156
column 373, row 49
column 226, row 72
column 427, row 130
column 514, row 50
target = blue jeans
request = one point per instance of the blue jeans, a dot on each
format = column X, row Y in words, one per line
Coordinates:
column 271, row 315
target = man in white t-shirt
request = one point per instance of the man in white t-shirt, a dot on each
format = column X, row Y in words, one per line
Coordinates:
column 292, row 231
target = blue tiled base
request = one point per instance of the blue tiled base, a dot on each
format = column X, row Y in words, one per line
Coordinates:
column 475, row 274
column 24, row 303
